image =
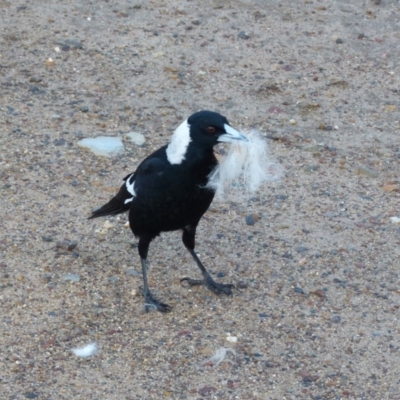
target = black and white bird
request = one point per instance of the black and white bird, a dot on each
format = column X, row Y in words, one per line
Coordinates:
column 167, row 192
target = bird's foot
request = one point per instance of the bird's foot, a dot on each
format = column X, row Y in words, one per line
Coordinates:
column 209, row 283
column 152, row 304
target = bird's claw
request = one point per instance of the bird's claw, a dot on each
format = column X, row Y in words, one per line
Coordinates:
column 152, row 304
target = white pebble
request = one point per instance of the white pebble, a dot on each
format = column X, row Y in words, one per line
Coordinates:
column 292, row 122
column 103, row 145
column 107, row 225
column 395, row 220
column 232, row 339
column 136, row 138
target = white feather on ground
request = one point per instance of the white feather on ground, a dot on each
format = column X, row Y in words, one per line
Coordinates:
column 86, row 351
column 219, row 356
column 245, row 168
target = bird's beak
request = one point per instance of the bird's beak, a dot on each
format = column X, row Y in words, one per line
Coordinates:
column 231, row 135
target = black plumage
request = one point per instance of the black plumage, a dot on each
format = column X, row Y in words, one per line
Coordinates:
column 167, row 192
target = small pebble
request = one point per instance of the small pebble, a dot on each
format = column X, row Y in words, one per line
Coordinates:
column 50, row 62
column 47, row 238
column 59, row 142
column 298, row 289
column 206, row 390
column 71, row 277
column 232, row 339
column 31, row 395
column 391, row 188
column 36, row 90
column 132, row 272
column 369, row 172
column 336, row 319
column 301, row 249
column 311, row 168
column 319, row 292
column 108, row 225
column 66, row 244
column 242, row 285
column 244, row 35
column 71, row 43
column 251, row 219
column 35, row 79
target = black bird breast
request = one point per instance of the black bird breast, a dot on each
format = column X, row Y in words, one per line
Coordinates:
column 170, row 197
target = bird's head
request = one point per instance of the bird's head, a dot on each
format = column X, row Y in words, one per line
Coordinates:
column 209, row 127
column 203, row 129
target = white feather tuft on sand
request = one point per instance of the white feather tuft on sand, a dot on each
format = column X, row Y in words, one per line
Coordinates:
column 86, row 351
column 244, row 169
column 219, row 356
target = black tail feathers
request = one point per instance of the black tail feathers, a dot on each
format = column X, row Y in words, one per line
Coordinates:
column 113, row 207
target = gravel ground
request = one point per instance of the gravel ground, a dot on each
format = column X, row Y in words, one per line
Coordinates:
column 317, row 314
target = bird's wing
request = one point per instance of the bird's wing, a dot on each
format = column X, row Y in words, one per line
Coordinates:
column 145, row 177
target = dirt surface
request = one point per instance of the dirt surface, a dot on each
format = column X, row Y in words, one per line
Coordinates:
column 317, row 315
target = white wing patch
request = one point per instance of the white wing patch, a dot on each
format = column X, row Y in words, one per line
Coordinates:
column 180, row 140
column 130, row 183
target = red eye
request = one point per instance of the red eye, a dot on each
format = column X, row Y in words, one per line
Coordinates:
column 211, row 129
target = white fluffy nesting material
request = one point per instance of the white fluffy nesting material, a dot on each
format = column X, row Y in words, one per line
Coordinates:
column 219, row 356
column 245, row 168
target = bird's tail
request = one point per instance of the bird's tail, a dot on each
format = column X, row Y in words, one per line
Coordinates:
column 115, row 206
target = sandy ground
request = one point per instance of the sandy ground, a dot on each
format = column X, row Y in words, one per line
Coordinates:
column 317, row 315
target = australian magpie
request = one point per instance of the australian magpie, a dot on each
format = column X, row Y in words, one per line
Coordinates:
column 167, row 192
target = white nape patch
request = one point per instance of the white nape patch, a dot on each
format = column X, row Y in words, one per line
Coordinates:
column 86, row 351
column 219, row 356
column 245, row 168
column 180, row 140
column 130, row 188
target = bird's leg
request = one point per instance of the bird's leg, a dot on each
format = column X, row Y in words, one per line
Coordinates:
column 188, row 238
column 150, row 301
